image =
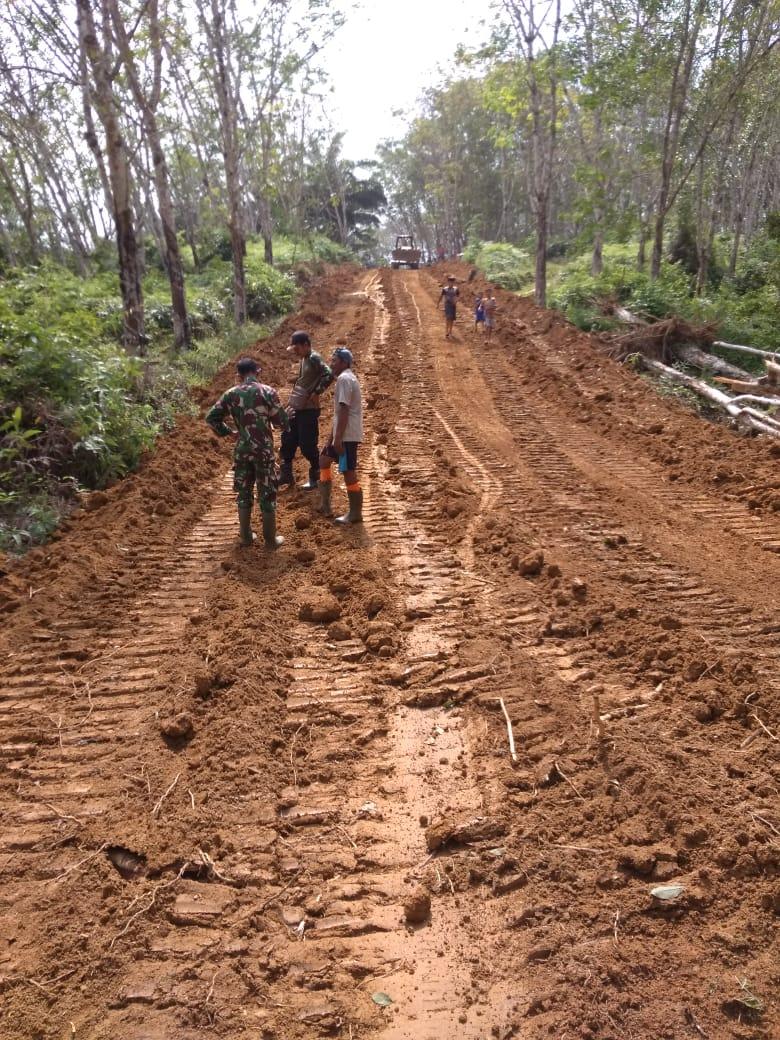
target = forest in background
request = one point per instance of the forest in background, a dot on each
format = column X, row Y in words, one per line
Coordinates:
column 617, row 149
column 169, row 176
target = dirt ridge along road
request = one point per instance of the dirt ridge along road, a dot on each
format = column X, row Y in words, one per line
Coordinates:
column 123, row 849
column 677, row 636
column 255, row 910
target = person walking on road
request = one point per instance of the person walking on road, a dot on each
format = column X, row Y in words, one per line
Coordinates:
column 449, row 294
column 490, row 306
column 479, row 312
column 254, row 408
column 314, row 377
column 344, row 440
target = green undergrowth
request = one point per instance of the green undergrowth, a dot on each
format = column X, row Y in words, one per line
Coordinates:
column 76, row 413
column 745, row 308
column 502, row 263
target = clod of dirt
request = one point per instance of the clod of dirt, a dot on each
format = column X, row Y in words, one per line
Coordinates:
column 374, row 605
column 429, row 697
column 95, row 501
column 302, row 521
column 579, row 589
column 694, row 670
column 338, row 631
column 669, row 623
column 614, row 541
column 292, row 915
column 532, row 564
column 129, row 864
column 553, row 570
column 378, row 634
column 542, row 952
column 204, row 684
column 320, row 607
column 227, row 565
column 305, row 555
column 446, row 832
column 771, row 900
column 417, row 906
column 179, row 728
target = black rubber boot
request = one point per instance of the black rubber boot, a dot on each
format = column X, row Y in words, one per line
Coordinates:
column 314, row 479
column 245, row 526
column 326, row 491
column 270, row 537
column 355, row 514
column 285, row 474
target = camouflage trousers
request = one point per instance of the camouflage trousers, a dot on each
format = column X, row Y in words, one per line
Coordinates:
column 260, row 470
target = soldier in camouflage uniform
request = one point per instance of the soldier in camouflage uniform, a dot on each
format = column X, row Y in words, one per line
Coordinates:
column 255, row 408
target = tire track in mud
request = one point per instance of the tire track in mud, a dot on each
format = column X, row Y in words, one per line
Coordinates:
column 411, row 766
column 367, row 766
column 552, row 491
column 572, row 515
column 58, row 713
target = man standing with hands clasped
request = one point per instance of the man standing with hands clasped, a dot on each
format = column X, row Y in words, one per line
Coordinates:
column 344, row 440
column 313, row 378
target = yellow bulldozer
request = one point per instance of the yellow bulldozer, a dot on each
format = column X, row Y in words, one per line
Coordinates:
column 405, row 254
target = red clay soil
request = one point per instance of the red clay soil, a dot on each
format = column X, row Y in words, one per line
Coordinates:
column 272, row 795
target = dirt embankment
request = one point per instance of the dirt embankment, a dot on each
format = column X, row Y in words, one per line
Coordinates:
column 115, row 538
column 271, row 795
column 612, row 400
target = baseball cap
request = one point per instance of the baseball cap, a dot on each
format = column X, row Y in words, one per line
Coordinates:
column 344, row 354
column 299, row 339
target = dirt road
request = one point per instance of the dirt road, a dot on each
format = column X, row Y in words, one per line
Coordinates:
column 229, row 778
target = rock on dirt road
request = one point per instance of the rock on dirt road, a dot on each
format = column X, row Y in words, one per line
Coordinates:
column 271, row 795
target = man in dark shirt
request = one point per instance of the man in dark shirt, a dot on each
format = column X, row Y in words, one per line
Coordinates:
column 314, row 376
column 449, row 294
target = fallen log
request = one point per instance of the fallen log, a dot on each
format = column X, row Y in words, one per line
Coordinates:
column 746, row 387
column 749, row 417
column 766, row 354
column 701, row 359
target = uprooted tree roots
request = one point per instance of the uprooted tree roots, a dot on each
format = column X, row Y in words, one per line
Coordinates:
column 661, row 340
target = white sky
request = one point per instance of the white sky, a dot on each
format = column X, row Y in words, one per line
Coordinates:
column 386, row 54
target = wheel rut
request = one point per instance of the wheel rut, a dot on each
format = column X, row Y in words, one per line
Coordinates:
column 353, row 766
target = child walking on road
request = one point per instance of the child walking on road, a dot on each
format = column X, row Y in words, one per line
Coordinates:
column 479, row 312
column 490, row 305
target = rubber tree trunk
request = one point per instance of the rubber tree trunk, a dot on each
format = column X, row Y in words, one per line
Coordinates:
column 147, row 104
column 119, row 181
column 182, row 333
column 597, row 259
column 540, row 277
column 228, row 121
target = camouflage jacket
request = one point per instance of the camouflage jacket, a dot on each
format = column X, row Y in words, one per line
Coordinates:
column 255, row 408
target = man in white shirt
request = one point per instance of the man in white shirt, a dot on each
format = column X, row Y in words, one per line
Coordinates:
column 344, row 440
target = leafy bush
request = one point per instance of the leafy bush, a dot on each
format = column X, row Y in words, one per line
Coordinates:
column 289, row 251
column 580, row 295
column 502, row 263
column 79, row 394
column 75, row 410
